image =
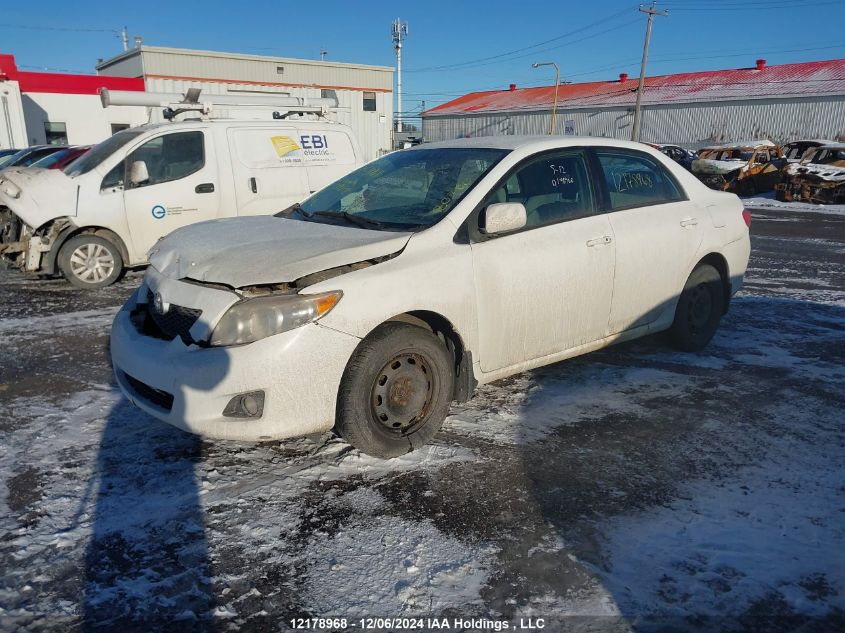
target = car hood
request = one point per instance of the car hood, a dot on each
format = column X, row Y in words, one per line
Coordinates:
column 831, row 173
column 709, row 166
column 260, row 250
column 38, row 195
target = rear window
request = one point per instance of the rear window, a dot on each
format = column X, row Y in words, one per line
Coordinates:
column 635, row 180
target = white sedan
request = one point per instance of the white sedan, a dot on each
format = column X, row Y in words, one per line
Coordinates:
column 394, row 291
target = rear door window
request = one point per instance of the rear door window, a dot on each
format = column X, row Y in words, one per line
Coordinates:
column 635, row 180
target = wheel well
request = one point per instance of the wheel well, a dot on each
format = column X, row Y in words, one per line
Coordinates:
column 64, row 236
column 465, row 382
column 717, row 261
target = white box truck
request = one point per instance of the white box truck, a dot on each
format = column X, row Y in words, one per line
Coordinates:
column 104, row 211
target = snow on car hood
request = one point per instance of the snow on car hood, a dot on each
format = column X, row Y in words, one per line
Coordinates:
column 266, row 250
column 709, row 166
column 831, row 173
column 38, row 195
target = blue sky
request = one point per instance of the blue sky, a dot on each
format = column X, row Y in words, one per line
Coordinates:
column 453, row 47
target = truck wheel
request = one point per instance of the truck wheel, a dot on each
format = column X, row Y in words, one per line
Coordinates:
column 699, row 309
column 395, row 391
column 90, row 261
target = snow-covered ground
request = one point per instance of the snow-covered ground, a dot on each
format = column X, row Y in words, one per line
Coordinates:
column 632, row 489
column 767, row 201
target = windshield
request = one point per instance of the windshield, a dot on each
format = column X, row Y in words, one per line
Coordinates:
column 825, row 156
column 101, row 152
column 405, row 190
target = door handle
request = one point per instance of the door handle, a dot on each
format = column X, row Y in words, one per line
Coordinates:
column 604, row 239
column 253, row 185
column 206, row 187
column 689, row 222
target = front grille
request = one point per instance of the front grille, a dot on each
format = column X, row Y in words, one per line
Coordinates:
column 177, row 321
column 155, row 397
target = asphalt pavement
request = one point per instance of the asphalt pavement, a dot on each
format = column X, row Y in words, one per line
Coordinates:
column 635, row 488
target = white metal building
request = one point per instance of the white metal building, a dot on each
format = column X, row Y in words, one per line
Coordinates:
column 364, row 93
column 60, row 108
column 781, row 103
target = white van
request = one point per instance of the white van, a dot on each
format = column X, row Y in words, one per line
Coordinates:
column 105, row 210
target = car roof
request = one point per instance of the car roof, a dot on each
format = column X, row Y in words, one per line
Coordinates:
column 538, row 142
column 832, row 146
column 816, row 141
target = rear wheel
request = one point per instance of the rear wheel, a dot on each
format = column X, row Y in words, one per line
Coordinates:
column 395, row 391
column 699, row 309
column 90, row 261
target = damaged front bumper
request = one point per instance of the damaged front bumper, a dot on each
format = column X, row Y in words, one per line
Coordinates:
column 193, row 386
column 25, row 247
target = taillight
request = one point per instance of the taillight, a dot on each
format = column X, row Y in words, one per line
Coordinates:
column 746, row 215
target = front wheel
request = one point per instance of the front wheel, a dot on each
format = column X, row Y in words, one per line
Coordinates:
column 699, row 309
column 395, row 391
column 90, row 261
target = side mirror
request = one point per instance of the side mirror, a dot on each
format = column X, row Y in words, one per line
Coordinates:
column 502, row 217
column 138, row 173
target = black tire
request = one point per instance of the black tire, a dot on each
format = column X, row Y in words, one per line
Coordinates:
column 699, row 310
column 395, row 391
column 90, row 261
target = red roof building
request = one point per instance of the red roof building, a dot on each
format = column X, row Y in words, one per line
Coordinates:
column 780, row 102
column 60, row 108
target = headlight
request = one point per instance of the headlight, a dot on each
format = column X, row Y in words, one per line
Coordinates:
column 253, row 319
column 11, row 189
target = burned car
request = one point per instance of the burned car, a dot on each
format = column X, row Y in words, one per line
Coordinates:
column 680, row 155
column 794, row 152
column 741, row 168
column 819, row 177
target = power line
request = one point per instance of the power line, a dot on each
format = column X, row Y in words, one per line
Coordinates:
column 544, row 50
column 30, row 27
column 54, row 70
column 747, row 6
column 477, row 62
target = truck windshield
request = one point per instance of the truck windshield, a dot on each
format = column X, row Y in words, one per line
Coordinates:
column 101, row 152
column 405, row 190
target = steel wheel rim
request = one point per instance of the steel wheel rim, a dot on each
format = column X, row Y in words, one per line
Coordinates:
column 700, row 308
column 92, row 263
column 402, row 393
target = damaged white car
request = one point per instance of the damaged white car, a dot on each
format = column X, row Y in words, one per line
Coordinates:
column 394, row 291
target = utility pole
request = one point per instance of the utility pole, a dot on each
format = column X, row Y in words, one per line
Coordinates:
column 323, row 53
column 400, row 31
column 124, row 34
column 652, row 11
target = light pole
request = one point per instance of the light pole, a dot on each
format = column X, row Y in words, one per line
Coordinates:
column 557, row 83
